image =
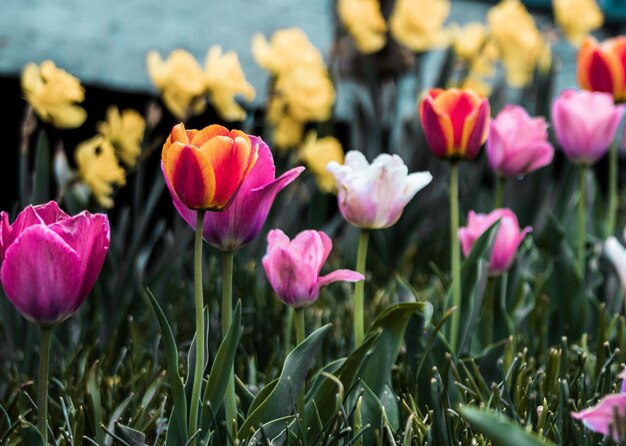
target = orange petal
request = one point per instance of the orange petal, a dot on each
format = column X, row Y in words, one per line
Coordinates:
column 191, row 176
column 207, row 133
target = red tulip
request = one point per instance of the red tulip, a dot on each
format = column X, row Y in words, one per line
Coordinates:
column 602, row 66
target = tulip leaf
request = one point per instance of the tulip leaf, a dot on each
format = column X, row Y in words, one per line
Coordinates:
column 220, row 370
column 176, row 383
column 41, row 177
column 281, row 401
column 273, row 432
column 93, row 390
column 500, row 429
column 393, row 322
column 131, row 436
column 30, row 435
column 117, row 414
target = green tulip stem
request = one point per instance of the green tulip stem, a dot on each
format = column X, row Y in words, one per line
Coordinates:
column 612, row 213
column 359, row 289
column 582, row 230
column 488, row 310
column 300, row 335
column 500, row 185
column 199, row 301
column 455, row 253
column 227, row 311
column 42, row 388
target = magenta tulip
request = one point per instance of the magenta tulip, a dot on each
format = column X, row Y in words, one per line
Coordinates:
column 508, row 239
column 293, row 266
column 517, row 143
column 236, row 226
column 373, row 196
column 50, row 261
column 585, row 123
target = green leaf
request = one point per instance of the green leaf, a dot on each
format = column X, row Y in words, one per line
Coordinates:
column 30, row 435
column 220, row 370
column 393, row 322
column 93, row 390
column 176, row 383
column 371, row 415
column 281, row 401
column 501, row 429
column 117, row 414
column 129, row 435
column 41, row 177
column 274, row 431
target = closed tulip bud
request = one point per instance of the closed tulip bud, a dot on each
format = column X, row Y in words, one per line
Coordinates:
column 374, row 196
column 455, row 122
column 50, row 261
column 204, row 168
column 585, row 124
column 602, row 66
column 241, row 222
column 293, row 266
column 508, row 238
column 517, row 143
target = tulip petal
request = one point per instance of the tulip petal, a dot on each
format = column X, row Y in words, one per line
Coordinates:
column 617, row 255
column 601, row 417
column 475, row 130
column 39, row 275
column 344, row 275
column 191, row 176
column 211, row 131
column 437, row 129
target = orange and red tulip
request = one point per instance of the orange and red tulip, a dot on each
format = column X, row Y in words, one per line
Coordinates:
column 204, row 168
column 455, row 122
column 602, row 66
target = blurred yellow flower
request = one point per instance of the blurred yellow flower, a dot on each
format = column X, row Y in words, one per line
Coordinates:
column 467, row 41
column 98, row 169
column 482, row 69
column 364, row 22
column 224, row 80
column 577, row 18
column 53, row 94
column 180, row 81
column 125, row 132
column 316, row 154
column 418, row 24
column 287, row 132
column 521, row 45
column 308, row 93
column 289, row 48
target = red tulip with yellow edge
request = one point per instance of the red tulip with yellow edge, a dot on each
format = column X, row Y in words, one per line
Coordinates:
column 205, row 168
column 602, row 66
column 455, row 122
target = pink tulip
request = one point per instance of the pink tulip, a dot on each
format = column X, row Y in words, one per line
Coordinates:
column 601, row 417
column 508, row 239
column 236, row 226
column 50, row 261
column 585, row 123
column 293, row 266
column 374, row 196
column 517, row 143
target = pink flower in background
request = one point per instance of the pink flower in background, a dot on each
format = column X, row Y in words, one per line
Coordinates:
column 508, row 238
column 601, row 417
column 236, row 226
column 374, row 196
column 293, row 266
column 518, row 143
column 585, row 123
column 50, row 261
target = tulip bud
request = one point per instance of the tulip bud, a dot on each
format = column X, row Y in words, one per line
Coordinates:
column 602, row 66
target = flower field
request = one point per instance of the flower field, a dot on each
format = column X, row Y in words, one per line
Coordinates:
column 416, row 237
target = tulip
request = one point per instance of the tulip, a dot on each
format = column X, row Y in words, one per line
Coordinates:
column 616, row 253
column 455, row 122
column 602, row 66
column 293, row 266
column 204, row 168
column 601, row 418
column 518, row 144
column 240, row 223
column 508, row 238
column 374, row 196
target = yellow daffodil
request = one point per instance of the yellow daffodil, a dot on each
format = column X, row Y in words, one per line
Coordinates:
column 364, row 22
column 308, row 93
column 288, row 49
column 521, row 45
column 467, row 41
column 287, row 132
column 125, row 132
column 225, row 80
column 417, row 24
column 577, row 18
column 98, row 169
column 316, row 154
column 53, row 94
column 180, row 81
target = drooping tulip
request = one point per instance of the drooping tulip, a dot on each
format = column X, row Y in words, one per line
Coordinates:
column 455, row 122
column 204, row 168
column 602, row 66
column 374, row 196
column 293, row 266
column 585, row 123
column 508, row 238
column 518, row 143
column 241, row 222
column 50, row 261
